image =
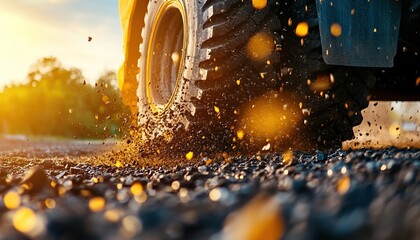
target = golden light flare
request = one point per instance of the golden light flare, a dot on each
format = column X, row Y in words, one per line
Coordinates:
column 17, row 30
column 130, row 226
column 12, row 200
column 259, row 219
column 112, row 216
column 105, row 98
column 418, row 81
column 208, row 162
column 97, row 204
column 216, row 109
column 287, row 157
column 61, row 190
column 183, row 195
column 271, row 115
column 27, row 34
column 136, row 189
column 189, row 156
column 259, row 4
column 266, row 147
column 24, row 220
column 346, row 105
column 260, row 46
column 50, row 203
column 336, row 30
column 383, row 167
column 215, row 195
column 343, row 184
column 119, row 164
column 142, row 198
column 330, row 172
column 175, row 57
column 302, row 29
column 240, row 134
column 323, row 82
column 176, row 185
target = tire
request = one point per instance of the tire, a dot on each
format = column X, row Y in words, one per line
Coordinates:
column 331, row 113
column 223, row 77
column 208, row 99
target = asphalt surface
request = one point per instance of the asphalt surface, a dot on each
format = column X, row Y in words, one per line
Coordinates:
column 82, row 190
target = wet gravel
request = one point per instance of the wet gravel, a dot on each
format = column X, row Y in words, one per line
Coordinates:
column 360, row 194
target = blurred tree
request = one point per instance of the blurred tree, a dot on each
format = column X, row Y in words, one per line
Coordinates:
column 56, row 101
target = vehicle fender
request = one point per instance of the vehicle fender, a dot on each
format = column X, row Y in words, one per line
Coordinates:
column 359, row 33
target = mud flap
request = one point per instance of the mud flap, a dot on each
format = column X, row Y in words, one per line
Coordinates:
column 359, row 33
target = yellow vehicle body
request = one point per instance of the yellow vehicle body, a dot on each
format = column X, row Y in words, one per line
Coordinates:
column 132, row 14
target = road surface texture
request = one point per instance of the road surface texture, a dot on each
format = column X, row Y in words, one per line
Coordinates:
column 63, row 190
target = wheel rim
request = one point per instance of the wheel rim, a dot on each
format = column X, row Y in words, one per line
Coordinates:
column 165, row 55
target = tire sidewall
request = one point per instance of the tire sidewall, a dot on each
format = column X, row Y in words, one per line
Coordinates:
column 153, row 124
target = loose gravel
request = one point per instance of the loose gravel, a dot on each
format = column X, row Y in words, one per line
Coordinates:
column 360, row 194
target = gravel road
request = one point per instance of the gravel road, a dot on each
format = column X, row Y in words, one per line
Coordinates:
column 51, row 190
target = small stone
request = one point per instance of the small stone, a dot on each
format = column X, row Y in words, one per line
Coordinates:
column 372, row 167
column 393, row 166
column 376, row 155
column 202, row 168
column 409, row 177
column 60, row 175
column 320, row 156
column 35, row 180
column 76, row 170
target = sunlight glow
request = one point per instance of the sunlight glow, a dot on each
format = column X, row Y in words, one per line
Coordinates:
column 29, row 34
column 269, row 116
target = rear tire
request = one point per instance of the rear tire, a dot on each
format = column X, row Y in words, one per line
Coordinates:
column 330, row 113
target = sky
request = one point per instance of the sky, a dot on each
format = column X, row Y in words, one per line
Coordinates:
column 33, row 29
